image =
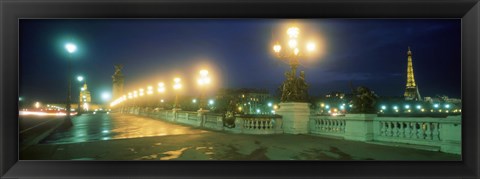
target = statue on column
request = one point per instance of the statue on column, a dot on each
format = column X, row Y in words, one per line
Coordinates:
column 294, row 89
column 302, row 87
column 117, row 80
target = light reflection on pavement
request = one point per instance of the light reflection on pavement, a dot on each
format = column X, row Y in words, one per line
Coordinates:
column 93, row 127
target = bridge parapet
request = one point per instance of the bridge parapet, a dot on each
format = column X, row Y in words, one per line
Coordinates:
column 443, row 134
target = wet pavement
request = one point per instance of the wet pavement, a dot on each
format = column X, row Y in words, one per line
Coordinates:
column 142, row 138
column 103, row 126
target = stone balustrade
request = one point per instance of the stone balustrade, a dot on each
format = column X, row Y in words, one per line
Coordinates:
column 258, row 125
column 444, row 133
column 327, row 125
column 247, row 125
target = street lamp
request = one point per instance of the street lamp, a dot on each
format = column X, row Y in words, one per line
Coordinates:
column 105, row 96
column 71, row 48
column 203, row 80
column 292, row 91
column 176, row 86
column 79, row 79
column 161, row 90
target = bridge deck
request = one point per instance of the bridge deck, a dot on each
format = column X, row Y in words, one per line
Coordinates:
column 197, row 144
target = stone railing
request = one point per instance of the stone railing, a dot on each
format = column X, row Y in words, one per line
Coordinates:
column 441, row 132
column 444, row 133
column 247, row 125
column 213, row 121
column 258, row 125
column 327, row 125
column 190, row 118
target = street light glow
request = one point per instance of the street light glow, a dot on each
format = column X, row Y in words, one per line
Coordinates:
column 70, row 47
column 105, row 96
column 177, row 80
column 277, row 48
column 293, row 32
column 203, row 72
column 80, row 78
column 292, row 43
column 177, row 84
column 161, row 87
column 204, row 79
column 311, row 47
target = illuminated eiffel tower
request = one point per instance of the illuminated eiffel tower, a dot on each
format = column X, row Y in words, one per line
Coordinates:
column 411, row 92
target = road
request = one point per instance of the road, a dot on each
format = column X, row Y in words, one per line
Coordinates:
column 34, row 128
column 103, row 126
column 128, row 137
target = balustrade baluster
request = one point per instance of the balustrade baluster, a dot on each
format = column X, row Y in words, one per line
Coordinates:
column 343, row 126
column 389, row 129
column 402, row 130
column 420, row 131
column 435, row 132
column 383, row 128
column 322, row 124
column 395, row 129
column 428, row 134
column 414, row 130
column 408, row 130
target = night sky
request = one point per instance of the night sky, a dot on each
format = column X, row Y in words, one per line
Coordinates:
column 238, row 52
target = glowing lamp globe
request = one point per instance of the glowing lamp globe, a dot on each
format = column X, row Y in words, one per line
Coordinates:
column 71, row 47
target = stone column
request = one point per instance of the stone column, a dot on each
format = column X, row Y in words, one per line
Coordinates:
column 451, row 135
column 359, row 127
column 295, row 116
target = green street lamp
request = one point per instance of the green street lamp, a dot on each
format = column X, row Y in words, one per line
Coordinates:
column 79, row 79
column 71, row 48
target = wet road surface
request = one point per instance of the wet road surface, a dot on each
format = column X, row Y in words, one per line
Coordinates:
column 103, row 126
column 143, row 138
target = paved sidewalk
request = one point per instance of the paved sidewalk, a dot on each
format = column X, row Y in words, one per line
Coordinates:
column 212, row 145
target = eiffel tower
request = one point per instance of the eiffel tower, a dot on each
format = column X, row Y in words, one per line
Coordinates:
column 411, row 92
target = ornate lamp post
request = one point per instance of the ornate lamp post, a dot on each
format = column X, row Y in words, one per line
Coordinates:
column 176, row 86
column 203, row 80
column 71, row 48
column 79, row 79
column 294, row 89
column 161, row 90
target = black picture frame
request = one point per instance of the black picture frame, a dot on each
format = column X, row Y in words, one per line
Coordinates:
column 467, row 10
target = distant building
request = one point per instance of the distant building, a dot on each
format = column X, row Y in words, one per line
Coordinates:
column 247, row 101
column 335, row 95
column 85, row 98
